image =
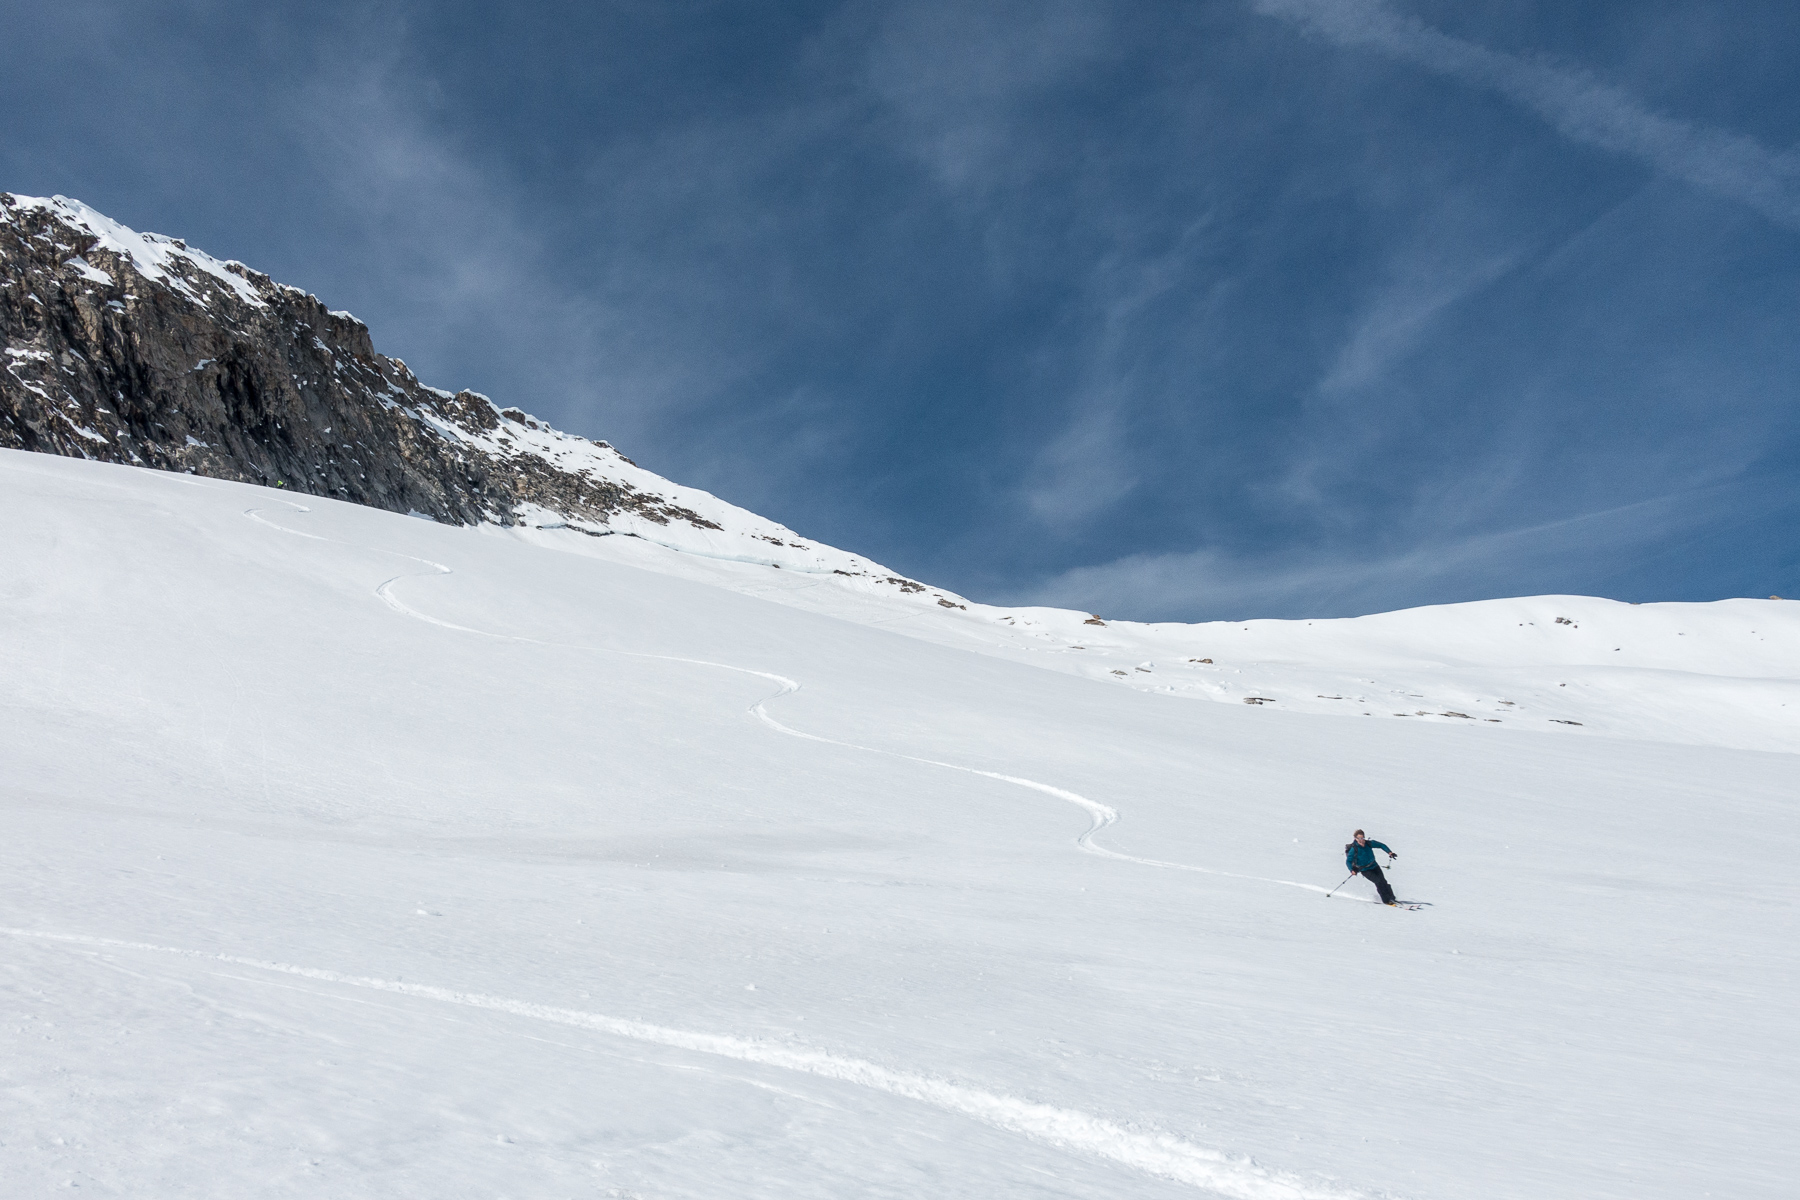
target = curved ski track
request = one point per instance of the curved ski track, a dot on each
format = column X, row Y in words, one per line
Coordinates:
column 1099, row 815
column 1158, row 1155
column 1152, row 1154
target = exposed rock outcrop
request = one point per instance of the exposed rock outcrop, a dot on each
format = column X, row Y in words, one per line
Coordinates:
column 134, row 348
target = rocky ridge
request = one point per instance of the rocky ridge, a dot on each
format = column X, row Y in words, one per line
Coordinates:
column 138, row 349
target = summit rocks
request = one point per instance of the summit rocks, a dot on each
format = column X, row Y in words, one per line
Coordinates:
column 136, row 349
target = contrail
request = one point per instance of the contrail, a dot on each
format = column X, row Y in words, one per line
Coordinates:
column 1577, row 104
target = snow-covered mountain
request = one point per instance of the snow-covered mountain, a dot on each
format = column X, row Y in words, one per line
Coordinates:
column 137, row 348
column 599, row 838
column 353, row 856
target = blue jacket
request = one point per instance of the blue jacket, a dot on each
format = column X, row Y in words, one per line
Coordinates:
column 1357, row 857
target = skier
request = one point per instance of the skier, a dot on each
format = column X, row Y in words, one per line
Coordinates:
column 1359, row 857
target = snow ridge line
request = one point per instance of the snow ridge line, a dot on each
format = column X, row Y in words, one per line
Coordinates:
column 1153, row 1154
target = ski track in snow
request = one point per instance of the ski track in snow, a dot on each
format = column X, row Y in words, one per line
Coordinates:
column 1152, row 1154
column 1155, row 1154
column 1100, row 816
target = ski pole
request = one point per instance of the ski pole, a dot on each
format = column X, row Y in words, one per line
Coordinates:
column 1347, row 879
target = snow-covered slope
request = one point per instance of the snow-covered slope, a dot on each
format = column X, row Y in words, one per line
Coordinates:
column 355, row 856
column 1723, row 674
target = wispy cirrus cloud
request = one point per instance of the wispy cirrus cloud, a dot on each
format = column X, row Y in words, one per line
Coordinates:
column 1576, row 103
column 1422, row 285
column 1088, row 465
column 1427, row 568
column 958, row 78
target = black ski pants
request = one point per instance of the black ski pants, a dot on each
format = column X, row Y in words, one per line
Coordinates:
column 1373, row 875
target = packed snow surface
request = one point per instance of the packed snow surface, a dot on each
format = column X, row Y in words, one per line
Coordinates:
column 1720, row 674
column 357, row 856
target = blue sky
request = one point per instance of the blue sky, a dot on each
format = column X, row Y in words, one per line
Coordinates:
column 1177, row 311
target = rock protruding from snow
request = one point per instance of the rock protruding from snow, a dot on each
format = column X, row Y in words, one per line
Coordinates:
column 135, row 348
column 164, row 260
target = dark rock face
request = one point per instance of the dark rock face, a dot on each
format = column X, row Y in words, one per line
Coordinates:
column 133, row 349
